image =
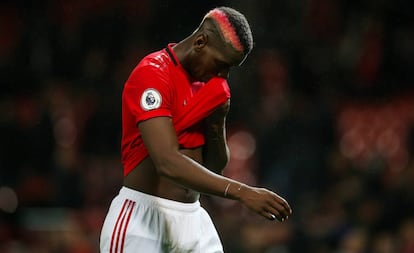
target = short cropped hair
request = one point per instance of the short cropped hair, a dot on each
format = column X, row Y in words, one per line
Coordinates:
column 234, row 27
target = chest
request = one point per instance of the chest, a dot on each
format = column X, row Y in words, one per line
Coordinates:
column 183, row 92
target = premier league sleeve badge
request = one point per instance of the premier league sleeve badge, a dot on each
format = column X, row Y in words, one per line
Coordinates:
column 150, row 99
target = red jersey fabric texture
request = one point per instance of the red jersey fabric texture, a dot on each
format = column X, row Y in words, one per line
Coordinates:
column 160, row 87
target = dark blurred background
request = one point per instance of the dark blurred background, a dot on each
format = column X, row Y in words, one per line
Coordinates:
column 322, row 112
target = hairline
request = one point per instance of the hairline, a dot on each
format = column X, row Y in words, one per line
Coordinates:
column 210, row 25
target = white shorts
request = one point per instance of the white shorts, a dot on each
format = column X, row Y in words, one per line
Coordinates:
column 138, row 222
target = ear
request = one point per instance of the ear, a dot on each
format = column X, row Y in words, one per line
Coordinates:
column 200, row 41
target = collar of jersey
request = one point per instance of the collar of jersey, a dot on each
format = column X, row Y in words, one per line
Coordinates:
column 176, row 62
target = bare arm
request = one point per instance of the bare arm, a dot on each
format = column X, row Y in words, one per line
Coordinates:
column 161, row 142
column 215, row 150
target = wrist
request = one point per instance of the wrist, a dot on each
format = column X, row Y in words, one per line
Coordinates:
column 234, row 190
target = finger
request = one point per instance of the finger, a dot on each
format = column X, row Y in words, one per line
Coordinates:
column 269, row 215
column 276, row 214
column 283, row 206
column 273, row 217
column 287, row 206
column 280, row 209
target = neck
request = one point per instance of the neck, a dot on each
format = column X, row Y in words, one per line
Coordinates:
column 182, row 50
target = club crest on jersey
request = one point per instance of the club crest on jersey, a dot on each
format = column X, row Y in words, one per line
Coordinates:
column 150, row 99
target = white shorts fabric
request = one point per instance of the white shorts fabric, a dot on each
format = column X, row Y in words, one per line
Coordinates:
column 138, row 222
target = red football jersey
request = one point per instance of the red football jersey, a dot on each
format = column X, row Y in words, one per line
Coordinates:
column 159, row 86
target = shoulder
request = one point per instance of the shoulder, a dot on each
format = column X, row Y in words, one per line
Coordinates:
column 156, row 61
column 154, row 65
column 152, row 76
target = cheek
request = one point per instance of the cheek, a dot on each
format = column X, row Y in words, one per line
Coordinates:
column 206, row 62
column 209, row 68
column 198, row 71
column 203, row 67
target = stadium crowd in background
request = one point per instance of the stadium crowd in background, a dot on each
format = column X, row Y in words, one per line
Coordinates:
column 323, row 111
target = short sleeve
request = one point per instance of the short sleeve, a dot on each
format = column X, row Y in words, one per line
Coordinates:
column 147, row 93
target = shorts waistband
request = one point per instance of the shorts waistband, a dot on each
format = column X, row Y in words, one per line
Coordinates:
column 151, row 200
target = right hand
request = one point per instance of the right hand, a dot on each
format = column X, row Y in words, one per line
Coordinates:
column 265, row 203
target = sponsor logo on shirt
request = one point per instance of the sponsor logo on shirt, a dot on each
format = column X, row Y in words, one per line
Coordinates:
column 150, row 99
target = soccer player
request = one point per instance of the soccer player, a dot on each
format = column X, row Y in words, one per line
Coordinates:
column 174, row 106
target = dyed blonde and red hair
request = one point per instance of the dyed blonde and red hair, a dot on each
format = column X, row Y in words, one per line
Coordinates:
column 234, row 28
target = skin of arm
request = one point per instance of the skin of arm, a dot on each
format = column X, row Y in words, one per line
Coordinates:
column 161, row 142
column 215, row 151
